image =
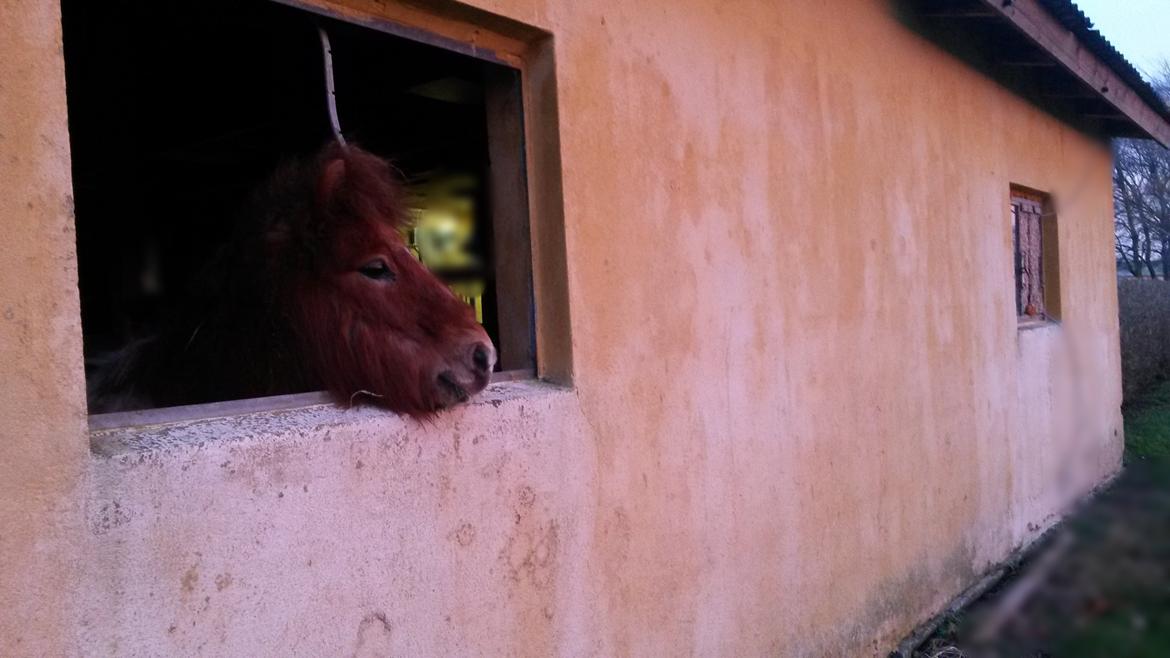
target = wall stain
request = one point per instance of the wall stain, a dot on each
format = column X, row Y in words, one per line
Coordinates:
column 190, row 579
column 463, row 535
column 527, row 496
column 495, row 467
column 373, row 637
column 111, row 515
column 531, row 555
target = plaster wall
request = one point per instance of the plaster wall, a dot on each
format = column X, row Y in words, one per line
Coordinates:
column 802, row 414
column 44, row 453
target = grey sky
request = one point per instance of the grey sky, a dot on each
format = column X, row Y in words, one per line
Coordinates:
column 1140, row 29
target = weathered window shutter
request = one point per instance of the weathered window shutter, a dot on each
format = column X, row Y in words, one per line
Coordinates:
column 1027, row 215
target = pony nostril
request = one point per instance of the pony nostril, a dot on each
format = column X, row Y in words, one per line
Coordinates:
column 481, row 358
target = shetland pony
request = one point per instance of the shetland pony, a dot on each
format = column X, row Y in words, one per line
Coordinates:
column 315, row 290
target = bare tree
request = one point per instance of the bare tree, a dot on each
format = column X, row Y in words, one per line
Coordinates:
column 1129, row 217
column 1141, row 194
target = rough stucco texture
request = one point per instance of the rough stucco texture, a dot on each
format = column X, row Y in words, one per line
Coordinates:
column 802, row 419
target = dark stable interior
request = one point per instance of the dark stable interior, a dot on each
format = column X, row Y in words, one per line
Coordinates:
column 177, row 111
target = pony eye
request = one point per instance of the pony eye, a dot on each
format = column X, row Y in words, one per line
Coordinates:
column 377, row 270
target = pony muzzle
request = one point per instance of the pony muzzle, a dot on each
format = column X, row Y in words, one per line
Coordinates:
column 467, row 375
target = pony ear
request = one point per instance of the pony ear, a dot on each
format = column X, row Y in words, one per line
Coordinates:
column 332, row 178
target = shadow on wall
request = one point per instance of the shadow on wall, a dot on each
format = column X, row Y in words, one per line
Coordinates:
column 1144, row 307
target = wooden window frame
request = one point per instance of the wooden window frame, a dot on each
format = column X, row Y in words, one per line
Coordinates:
column 1035, row 257
column 534, row 319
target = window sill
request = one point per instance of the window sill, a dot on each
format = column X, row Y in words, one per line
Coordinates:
column 155, row 430
column 1027, row 324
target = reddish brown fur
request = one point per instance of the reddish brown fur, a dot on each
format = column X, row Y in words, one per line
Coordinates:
column 294, row 311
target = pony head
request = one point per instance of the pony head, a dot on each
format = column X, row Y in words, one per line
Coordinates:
column 368, row 318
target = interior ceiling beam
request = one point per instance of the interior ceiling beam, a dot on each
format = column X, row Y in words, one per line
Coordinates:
column 1032, row 63
column 1071, row 95
column 958, row 13
column 1030, row 18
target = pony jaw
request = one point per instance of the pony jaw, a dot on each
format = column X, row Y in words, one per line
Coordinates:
column 449, row 391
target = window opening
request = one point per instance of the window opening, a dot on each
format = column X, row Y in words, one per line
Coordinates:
column 178, row 111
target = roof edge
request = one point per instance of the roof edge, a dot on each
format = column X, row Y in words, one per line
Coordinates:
column 1076, row 56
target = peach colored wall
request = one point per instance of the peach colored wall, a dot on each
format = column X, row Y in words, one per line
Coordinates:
column 802, row 419
column 44, row 456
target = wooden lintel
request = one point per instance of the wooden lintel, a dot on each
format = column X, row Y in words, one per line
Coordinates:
column 1030, row 18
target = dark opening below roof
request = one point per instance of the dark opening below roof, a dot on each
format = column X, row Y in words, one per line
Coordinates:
column 1049, row 52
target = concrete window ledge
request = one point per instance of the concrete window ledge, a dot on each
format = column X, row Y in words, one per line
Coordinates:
column 287, row 417
column 1028, row 325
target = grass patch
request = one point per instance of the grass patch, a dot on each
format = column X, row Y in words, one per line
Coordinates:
column 1147, row 425
column 1137, row 632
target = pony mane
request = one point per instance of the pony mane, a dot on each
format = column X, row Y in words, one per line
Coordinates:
column 291, row 215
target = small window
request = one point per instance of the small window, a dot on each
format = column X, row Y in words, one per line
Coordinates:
column 1037, row 271
column 178, row 112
